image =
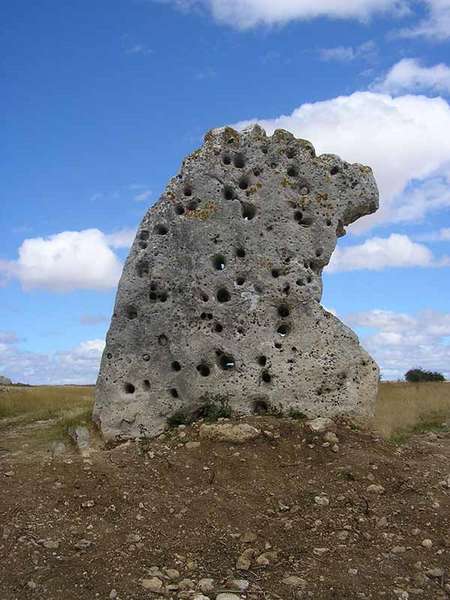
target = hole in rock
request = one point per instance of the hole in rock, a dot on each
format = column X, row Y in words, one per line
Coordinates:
column 260, row 407
column 291, row 152
column 239, row 161
column 292, row 171
column 192, row 205
column 283, row 330
column 240, row 281
column 334, row 170
column 278, row 346
column 173, row 392
column 109, row 355
column 319, row 252
column 218, row 327
column 162, row 340
column 131, row 312
column 329, row 222
column 262, row 360
column 226, row 362
column 153, row 296
column 161, row 229
column 143, row 245
column 302, row 219
column 266, row 377
column 228, row 192
column 129, row 388
column 188, row 190
column 300, row 282
column 142, row 268
column 176, row 366
column 244, row 183
column 283, row 310
column 204, row 297
column 146, row 357
column 179, row 209
column 146, row 384
column 248, row 211
column 240, row 252
column 275, row 273
column 226, row 159
column 143, row 234
column 219, row 262
column 203, row 369
column 223, row 295
column 256, row 172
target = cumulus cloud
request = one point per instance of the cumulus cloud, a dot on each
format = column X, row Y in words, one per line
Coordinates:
column 92, row 319
column 404, row 139
column 377, row 253
column 121, row 239
column 436, row 25
column 244, row 14
column 410, row 75
column 366, row 51
column 400, row 341
column 69, row 260
column 77, row 365
column 443, row 235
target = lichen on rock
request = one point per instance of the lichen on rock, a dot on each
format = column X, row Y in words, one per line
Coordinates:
column 220, row 294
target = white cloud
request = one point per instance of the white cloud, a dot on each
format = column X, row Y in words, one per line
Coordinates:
column 443, row 235
column 377, row 253
column 400, row 341
column 92, row 319
column 143, row 196
column 437, row 24
column 404, row 139
column 67, row 261
column 76, row 366
column 366, row 51
column 121, row 239
column 139, row 49
column 243, row 14
column 409, row 75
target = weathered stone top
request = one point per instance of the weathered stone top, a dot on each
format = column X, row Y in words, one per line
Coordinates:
column 219, row 295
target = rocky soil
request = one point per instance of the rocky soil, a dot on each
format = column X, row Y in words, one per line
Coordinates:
column 264, row 509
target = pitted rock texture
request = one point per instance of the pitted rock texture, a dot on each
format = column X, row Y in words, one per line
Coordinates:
column 219, row 300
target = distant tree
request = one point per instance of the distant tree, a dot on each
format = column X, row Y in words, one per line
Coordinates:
column 416, row 375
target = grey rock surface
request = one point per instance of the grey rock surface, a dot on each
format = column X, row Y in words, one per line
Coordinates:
column 219, row 300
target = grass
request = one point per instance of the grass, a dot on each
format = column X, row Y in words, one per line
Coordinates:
column 42, row 403
column 56, row 409
column 402, row 437
column 210, row 412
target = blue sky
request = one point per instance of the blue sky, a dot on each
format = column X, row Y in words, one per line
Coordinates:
column 101, row 101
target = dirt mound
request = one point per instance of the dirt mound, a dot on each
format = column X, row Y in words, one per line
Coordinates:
column 292, row 513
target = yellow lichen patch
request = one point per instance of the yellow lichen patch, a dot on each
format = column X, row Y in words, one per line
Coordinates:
column 203, row 212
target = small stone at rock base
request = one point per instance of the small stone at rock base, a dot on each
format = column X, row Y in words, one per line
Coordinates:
column 353, row 572
column 382, row 522
column 83, row 544
column 294, row 581
column 331, row 437
column 192, row 445
column 200, row 597
column 235, row 433
column 50, row 544
column 436, row 573
column 206, row 585
column 153, row 585
column 31, row 585
column 320, row 424
column 427, row 543
column 401, row 594
column 172, row 573
column 375, row 489
column 320, row 551
column 186, row 584
column 398, row 550
column 321, row 501
column 113, row 595
column 248, row 537
column 227, row 596
column 244, row 561
column 239, row 584
column 266, row 558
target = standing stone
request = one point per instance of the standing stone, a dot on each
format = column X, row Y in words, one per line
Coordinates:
column 219, row 300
